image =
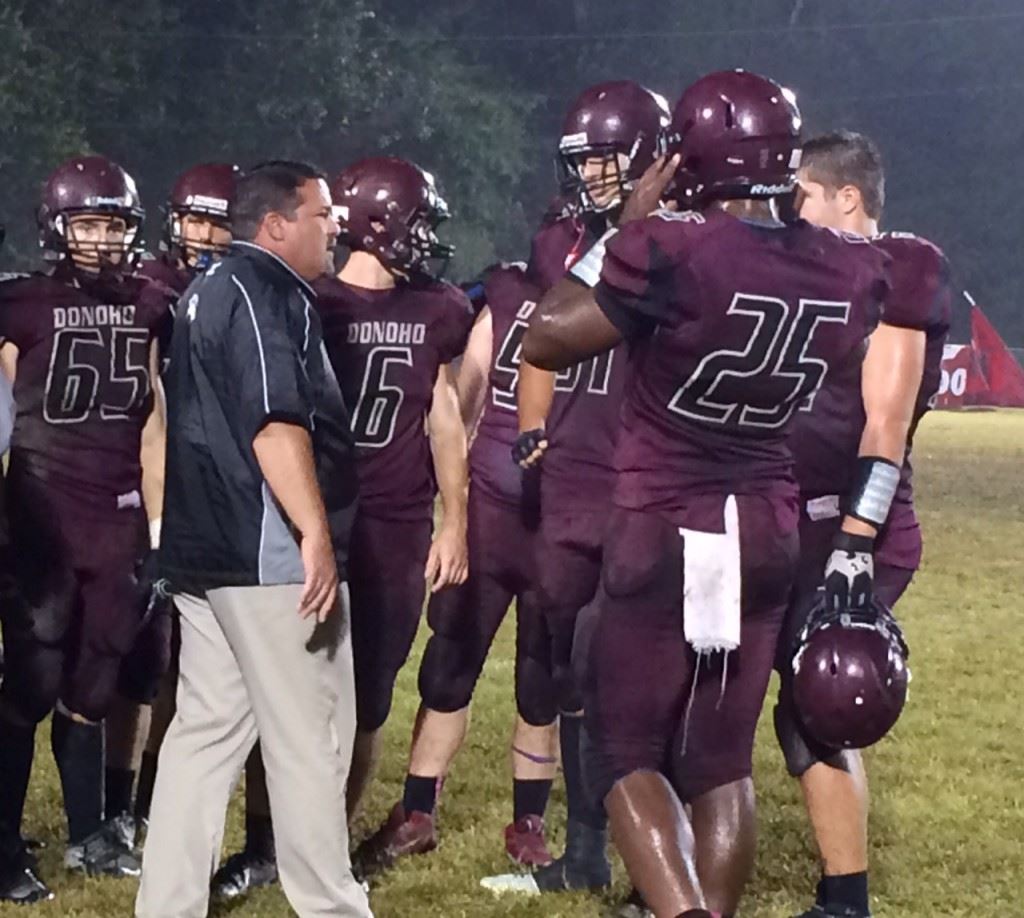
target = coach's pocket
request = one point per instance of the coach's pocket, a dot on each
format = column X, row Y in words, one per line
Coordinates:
column 712, row 584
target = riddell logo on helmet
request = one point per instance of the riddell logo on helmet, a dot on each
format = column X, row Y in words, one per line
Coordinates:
column 573, row 141
column 771, row 189
column 205, row 201
column 108, row 202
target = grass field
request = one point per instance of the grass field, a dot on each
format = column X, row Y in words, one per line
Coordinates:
column 948, row 816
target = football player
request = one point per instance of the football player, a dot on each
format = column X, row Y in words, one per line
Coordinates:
column 613, row 133
column 734, row 318
column 196, row 233
column 392, row 330
column 504, row 502
column 80, row 344
column 842, row 186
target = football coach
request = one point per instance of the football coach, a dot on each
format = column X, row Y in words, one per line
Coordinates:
column 259, row 500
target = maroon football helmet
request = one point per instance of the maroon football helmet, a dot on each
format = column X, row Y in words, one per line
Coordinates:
column 850, row 675
column 390, row 208
column 91, row 186
column 609, row 119
column 739, row 137
column 204, row 191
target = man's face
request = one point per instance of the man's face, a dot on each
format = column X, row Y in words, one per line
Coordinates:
column 817, row 204
column 203, row 235
column 96, row 240
column 310, row 236
column 602, row 178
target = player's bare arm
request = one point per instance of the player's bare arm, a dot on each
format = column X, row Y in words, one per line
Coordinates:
column 154, row 447
column 534, row 394
column 285, row 454
column 9, row 359
column 473, row 370
column 447, row 562
column 891, row 378
column 567, row 327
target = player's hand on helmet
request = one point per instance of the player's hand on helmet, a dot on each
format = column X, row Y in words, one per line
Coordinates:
column 320, row 589
column 529, row 447
column 849, row 573
column 448, row 559
column 649, row 191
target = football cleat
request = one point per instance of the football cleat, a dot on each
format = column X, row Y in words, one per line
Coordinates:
column 241, row 873
column 525, row 842
column 103, row 854
column 833, row 911
column 19, row 882
column 122, row 827
column 561, row 875
column 523, row 884
column 633, row 907
column 400, row 836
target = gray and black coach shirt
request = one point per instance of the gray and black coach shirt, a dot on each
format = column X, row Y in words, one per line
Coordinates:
column 247, row 350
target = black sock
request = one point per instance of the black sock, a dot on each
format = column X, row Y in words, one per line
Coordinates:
column 78, row 752
column 579, row 804
column 259, row 835
column 849, row 889
column 118, row 784
column 530, row 798
column 144, row 789
column 420, row 794
column 17, row 745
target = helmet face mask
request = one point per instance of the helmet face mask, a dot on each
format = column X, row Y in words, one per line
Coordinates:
column 430, row 256
column 198, row 240
column 595, row 177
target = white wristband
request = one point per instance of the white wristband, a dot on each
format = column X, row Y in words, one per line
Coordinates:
column 154, row 532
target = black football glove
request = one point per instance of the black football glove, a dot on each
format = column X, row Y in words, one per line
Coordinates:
column 152, row 592
column 850, row 574
column 529, row 447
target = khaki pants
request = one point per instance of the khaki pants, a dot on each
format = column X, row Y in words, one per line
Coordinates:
column 251, row 667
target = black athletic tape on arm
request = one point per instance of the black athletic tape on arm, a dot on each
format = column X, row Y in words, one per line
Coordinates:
column 875, row 483
column 846, row 541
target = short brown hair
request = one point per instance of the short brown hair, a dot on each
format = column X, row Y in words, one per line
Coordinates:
column 269, row 186
column 847, row 158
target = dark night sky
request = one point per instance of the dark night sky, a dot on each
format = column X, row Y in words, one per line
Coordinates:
column 476, row 89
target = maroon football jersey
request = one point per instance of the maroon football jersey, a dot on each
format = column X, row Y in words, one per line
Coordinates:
column 579, row 467
column 556, row 245
column 386, row 347
column 584, row 413
column 511, row 298
column 163, row 269
column 735, row 325
column 83, row 389
column 582, row 426
column 827, row 437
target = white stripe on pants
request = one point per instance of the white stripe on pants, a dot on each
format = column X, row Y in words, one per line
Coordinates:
column 250, row 666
